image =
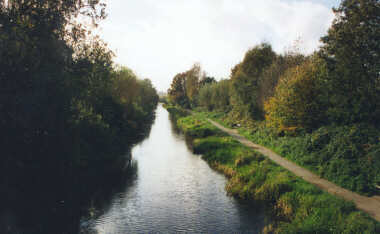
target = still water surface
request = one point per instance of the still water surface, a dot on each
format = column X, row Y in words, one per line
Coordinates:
column 173, row 191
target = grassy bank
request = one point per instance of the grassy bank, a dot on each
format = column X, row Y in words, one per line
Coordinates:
column 298, row 206
column 347, row 155
column 175, row 112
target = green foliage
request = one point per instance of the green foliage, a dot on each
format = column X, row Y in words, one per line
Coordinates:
column 245, row 79
column 185, row 86
column 147, row 99
column 65, row 111
column 125, row 86
column 177, row 91
column 206, row 80
column 197, row 127
column 351, row 50
column 272, row 74
column 192, row 84
column 215, row 96
column 341, row 85
column 176, row 111
column 314, row 106
column 346, row 155
column 205, row 96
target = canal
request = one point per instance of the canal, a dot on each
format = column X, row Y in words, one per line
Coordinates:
column 173, row 191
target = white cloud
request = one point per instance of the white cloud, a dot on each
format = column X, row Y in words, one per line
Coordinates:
column 158, row 39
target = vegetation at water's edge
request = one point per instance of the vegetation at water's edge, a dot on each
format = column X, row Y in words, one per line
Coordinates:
column 321, row 110
column 298, row 207
column 68, row 113
column 176, row 112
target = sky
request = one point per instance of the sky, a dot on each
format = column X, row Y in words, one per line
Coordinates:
column 158, row 39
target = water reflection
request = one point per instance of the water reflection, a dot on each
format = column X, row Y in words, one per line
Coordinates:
column 174, row 191
column 165, row 189
column 58, row 208
column 53, row 204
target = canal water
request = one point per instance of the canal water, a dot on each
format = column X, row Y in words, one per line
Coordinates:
column 173, row 191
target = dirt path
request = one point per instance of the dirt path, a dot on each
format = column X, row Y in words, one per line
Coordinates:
column 370, row 205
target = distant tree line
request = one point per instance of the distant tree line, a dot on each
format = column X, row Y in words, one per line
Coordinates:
column 338, row 84
column 65, row 108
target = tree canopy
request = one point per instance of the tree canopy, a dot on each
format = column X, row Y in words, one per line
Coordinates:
column 351, row 49
column 66, row 110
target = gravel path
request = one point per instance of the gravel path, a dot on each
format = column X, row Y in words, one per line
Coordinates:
column 370, row 205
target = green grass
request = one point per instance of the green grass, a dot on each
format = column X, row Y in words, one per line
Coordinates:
column 175, row 112
column 346, row 155
column 298, row 206
column 197, row 127
column 349, row 156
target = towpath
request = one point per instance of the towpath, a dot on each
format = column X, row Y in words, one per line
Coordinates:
column 370, row 205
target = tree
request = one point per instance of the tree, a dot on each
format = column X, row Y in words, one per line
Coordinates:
column 177, row 90
column 148, row 97
column 205, row 97
column 299, row 101
column 185, row 87
column 61, row 114
column 192, row 83
column 215, row 96
column 206, row 80
column 38, row 79
column 125, row 87
column 351, row 50
column 246, row 79
column 272, row 74
column 221, row 95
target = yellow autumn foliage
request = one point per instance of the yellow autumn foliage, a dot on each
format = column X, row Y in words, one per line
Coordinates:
column 298, row 102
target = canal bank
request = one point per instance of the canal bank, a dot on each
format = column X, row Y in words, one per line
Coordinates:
column 298, row 206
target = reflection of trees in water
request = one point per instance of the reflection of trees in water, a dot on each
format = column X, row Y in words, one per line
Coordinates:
column 58, row 208
column 174, row 126
column 178, row 132
column 145, row 130
column 49, row 204
column 100, row 201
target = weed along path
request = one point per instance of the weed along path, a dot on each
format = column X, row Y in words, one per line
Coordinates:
column 370, row 205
